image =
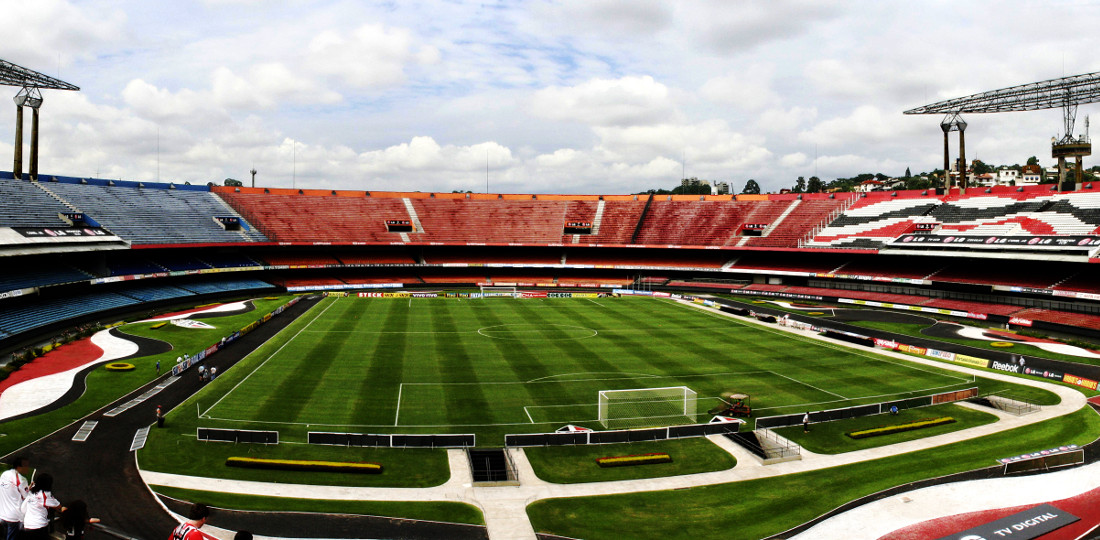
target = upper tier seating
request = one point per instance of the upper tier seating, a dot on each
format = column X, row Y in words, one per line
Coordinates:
column 145, row 215
column 25, row 205
column 617, row 224
column 797, row 224
column 491, row 221
column 295, row 218
column 697, row 223
column 874, row 223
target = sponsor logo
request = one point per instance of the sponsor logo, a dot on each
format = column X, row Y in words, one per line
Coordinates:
column 189, row 323
column 1001, row 366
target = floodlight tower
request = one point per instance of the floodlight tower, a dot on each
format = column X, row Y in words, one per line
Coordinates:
column 30, row 95
column 1066, row 93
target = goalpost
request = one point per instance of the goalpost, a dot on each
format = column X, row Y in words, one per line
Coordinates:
column 647, row 407
column 498, row 292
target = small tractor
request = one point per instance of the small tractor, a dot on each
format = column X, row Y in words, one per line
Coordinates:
column 732, row 404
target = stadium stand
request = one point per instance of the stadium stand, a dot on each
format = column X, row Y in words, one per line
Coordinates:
column 225, row 285
column 794, row 225
column 972, row 307
column 27, row 316
column 154, row 213
column 25, row 205
column 288, row 217
column 1059, row 317
column 37, row 274
column 226, row 260
column 872, row 222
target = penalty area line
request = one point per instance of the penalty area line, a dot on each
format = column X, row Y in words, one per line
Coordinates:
column 397, row 415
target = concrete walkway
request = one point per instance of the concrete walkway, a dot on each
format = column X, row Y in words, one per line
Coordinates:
column 505, row 507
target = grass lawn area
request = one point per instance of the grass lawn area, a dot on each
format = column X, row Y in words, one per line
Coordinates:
column 830, row 438
column 425, row 510
column 411, row 467
column 574, row 464
column 760, row 508
column 104, row 386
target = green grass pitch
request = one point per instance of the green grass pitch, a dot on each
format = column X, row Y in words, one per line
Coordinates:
column 496, row 366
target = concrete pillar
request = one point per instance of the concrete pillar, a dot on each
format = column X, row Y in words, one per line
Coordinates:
column 17, row 168
column 962, row 158
column 34, row 145
column 946, row 163
column 1061, row 172
column 1080, row 170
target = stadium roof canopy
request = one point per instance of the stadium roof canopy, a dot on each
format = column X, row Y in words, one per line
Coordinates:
column 13, row 75
column 1066, row 91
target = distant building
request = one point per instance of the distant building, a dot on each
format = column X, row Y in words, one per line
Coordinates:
column 870, row 185
column 985, row 179
column 1007, row 177
column 720, row 188
column 1030, row 174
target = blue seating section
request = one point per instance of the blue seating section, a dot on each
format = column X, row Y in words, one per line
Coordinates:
column 152, row 293
column 134, row 266
column 181, row 263
column 228, row 260
column 27, row 317
column 153, row 214
column 26, row 276
column 225, row 285
column 25, row 205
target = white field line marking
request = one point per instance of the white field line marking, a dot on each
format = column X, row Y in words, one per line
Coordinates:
column 595, row 302
column 538, row 381
column 528, row 415
column 387, row 426
column 826, row 344
column 901, row 395
column 397, row 415
column 268, row 359
column 796, row 381
column 626, row 375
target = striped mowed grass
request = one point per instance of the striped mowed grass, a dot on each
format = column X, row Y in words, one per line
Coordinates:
column 496, row 365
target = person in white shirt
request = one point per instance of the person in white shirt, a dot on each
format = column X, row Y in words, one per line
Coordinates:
column 36, row 508
column 14, row 487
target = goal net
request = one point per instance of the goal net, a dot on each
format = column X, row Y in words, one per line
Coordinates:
column 498, row 292
column 647, row 407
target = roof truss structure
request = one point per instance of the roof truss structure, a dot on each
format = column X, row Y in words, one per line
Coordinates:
column 13, row 75
column 1051, row 94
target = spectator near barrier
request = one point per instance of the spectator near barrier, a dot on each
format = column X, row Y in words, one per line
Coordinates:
column 14, row 487
column 189, row 530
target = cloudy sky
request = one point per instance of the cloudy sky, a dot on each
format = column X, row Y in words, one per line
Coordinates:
column 539, row 96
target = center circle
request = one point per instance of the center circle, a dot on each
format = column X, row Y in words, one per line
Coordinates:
column 537, row 332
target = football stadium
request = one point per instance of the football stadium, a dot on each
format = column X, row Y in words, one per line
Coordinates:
column 337, row 363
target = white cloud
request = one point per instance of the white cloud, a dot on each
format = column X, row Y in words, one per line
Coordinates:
column 628, row 101
column 371, row 56
column 748, row 89
column 36, row 35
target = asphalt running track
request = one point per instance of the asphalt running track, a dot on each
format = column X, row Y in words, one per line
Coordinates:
column 102, row 470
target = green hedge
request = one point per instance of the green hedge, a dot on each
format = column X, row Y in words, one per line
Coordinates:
column 898, row 428
column 304, row 465
column 637, row 459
